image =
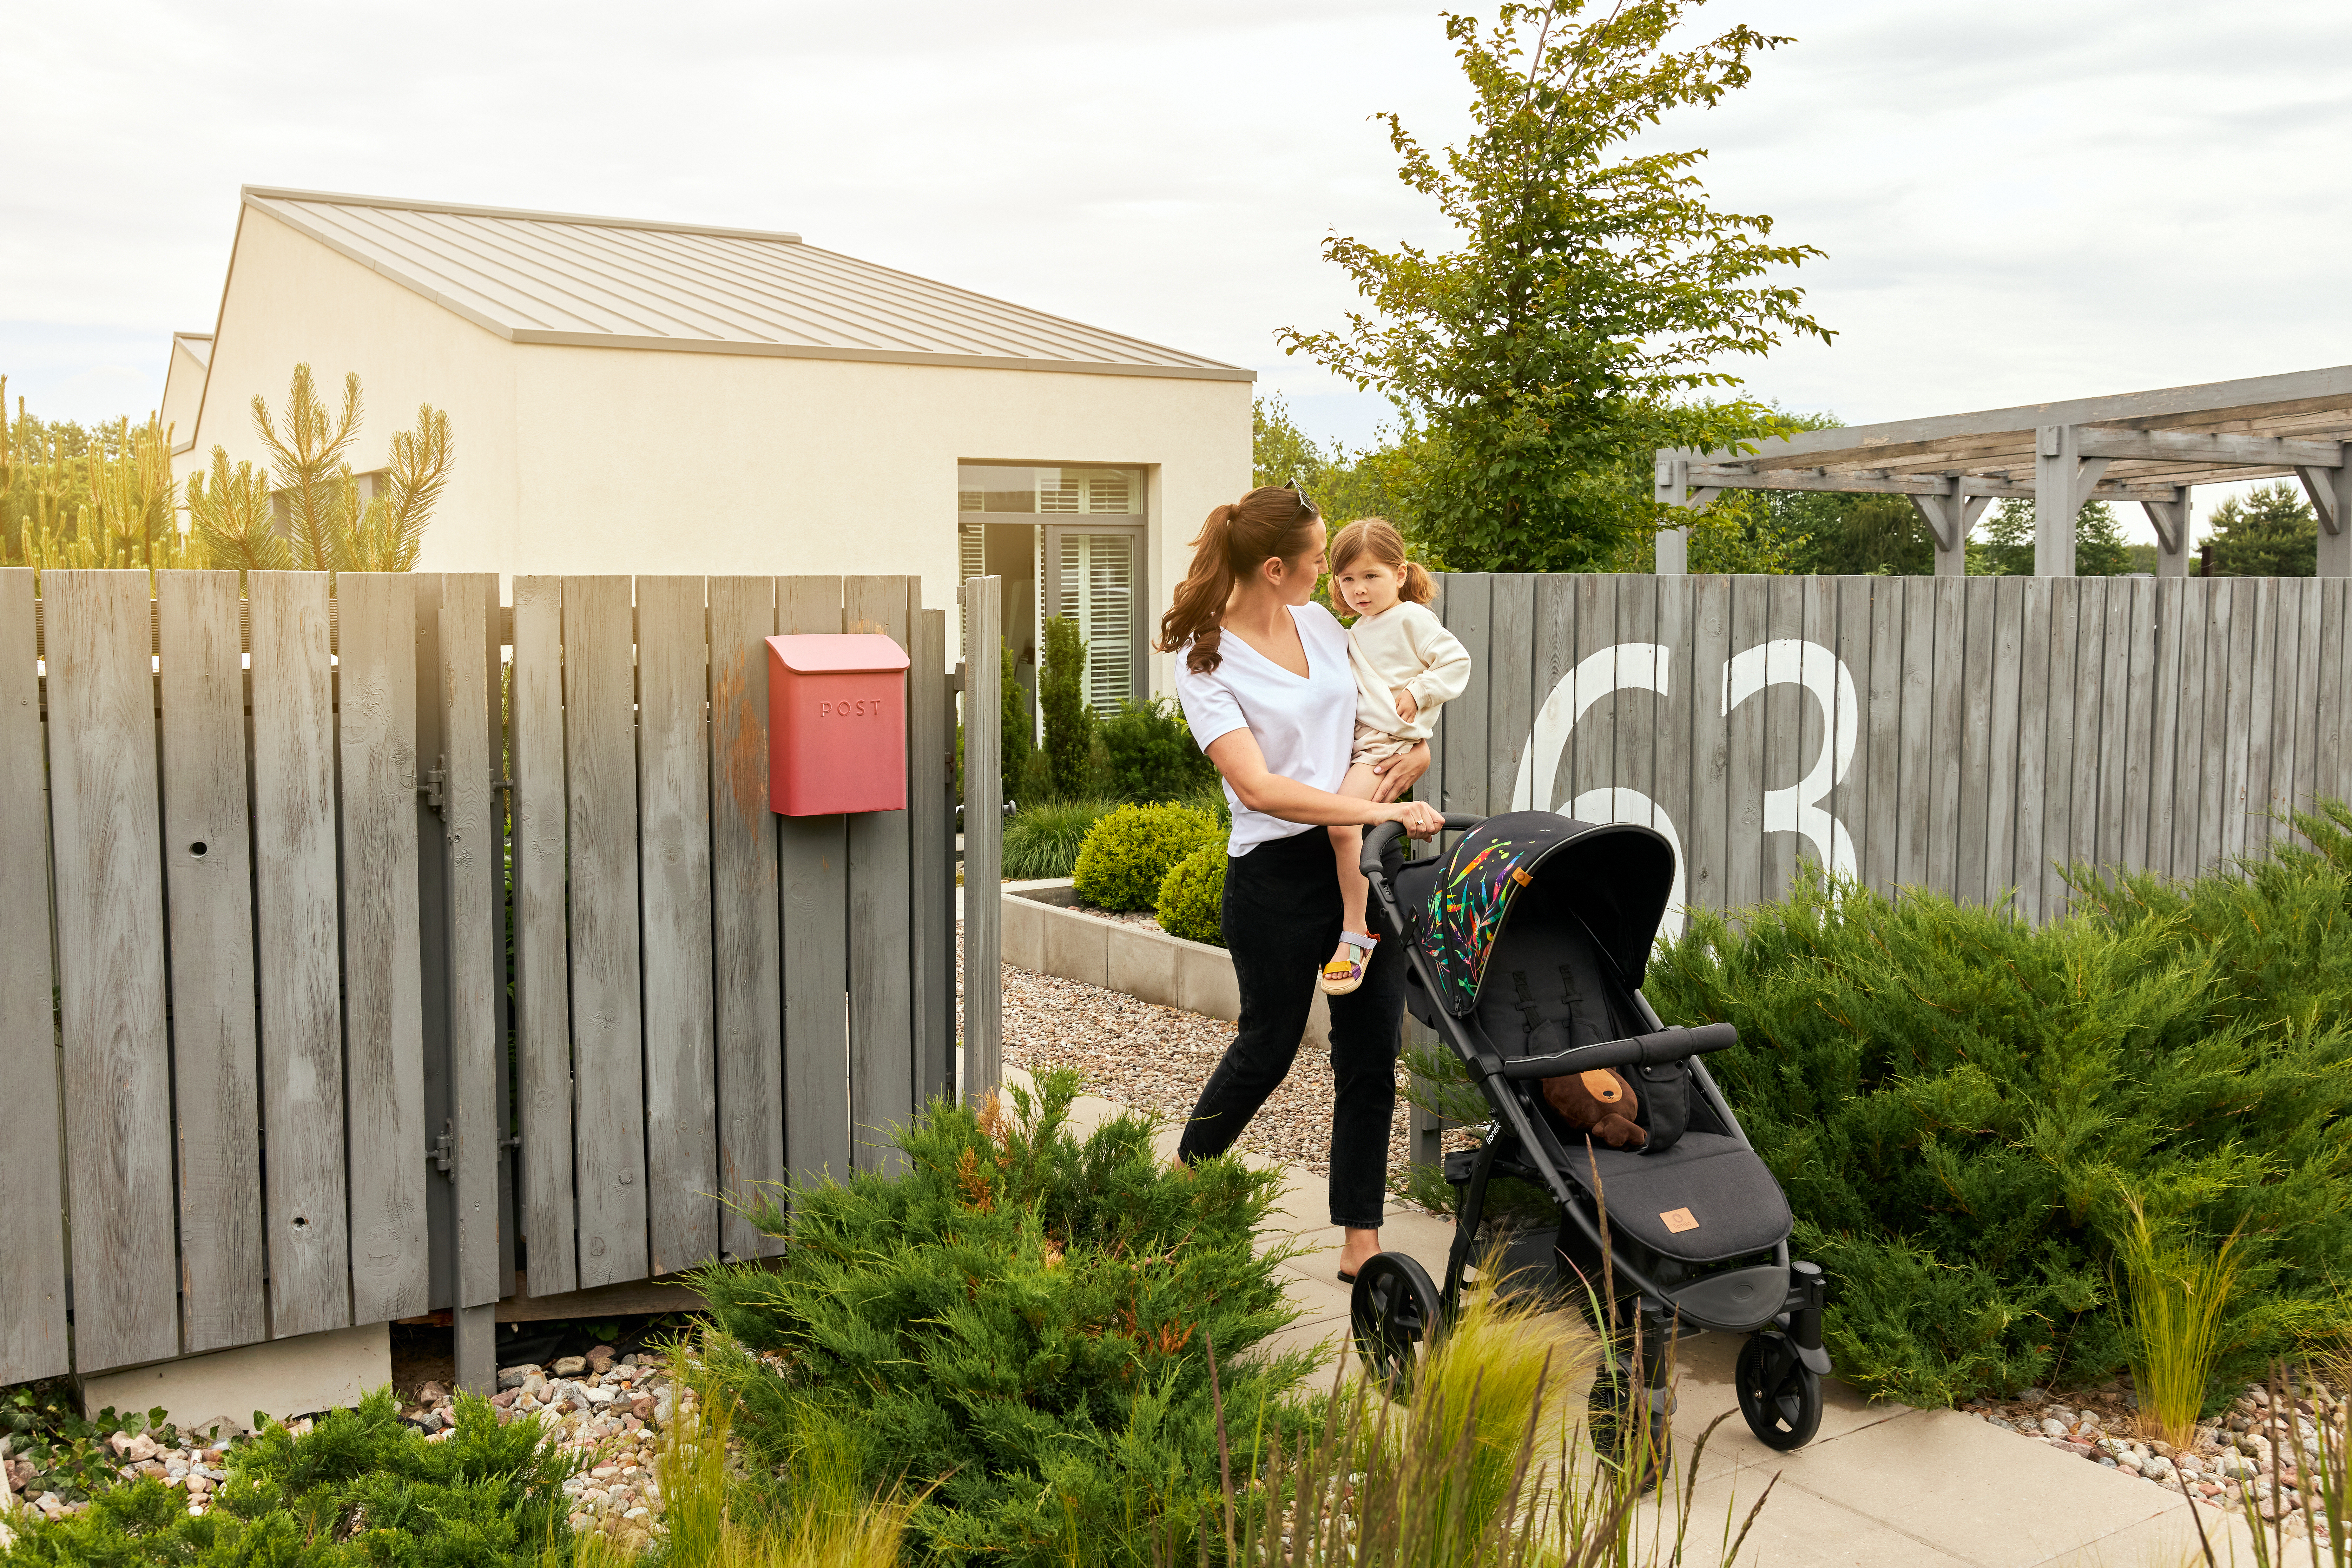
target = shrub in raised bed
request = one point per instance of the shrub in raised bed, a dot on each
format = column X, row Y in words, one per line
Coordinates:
column 1017, row 1320
column 1129, row 852
column 1193, row 896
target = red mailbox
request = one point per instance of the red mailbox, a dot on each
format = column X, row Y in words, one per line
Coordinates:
column 836, row 724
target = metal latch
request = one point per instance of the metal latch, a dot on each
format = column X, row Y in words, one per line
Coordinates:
column 444, row 1152
column 435, row 776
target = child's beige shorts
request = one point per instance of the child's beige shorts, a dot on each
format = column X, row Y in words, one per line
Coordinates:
column 1377, row 745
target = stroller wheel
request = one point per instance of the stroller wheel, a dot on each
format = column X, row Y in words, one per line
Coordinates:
column 1616, row 1433
column 1779, row 1394
column 1392, row 1313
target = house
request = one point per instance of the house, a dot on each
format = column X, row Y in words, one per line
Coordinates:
column 648, row 397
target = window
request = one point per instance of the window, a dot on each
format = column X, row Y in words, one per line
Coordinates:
column 1068, row 541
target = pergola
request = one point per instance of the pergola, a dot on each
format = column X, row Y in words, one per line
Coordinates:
column 2152, row 447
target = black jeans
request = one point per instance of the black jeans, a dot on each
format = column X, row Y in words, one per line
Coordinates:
column 1281, row 921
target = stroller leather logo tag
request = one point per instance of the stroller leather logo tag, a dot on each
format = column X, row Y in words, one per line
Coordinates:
column 1521, row 878
column 1679, row 1220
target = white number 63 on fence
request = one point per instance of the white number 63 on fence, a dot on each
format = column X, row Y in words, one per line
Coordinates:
column 1643, row 666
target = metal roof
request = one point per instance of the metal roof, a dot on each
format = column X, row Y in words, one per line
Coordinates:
column 608, row 282
column 2215, row 432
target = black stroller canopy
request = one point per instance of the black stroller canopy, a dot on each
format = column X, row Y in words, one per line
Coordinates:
column 1614, row 877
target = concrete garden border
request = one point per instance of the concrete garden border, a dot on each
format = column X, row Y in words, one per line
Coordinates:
column 1044, row 933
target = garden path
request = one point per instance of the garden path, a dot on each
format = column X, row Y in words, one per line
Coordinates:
column 1882, row 1484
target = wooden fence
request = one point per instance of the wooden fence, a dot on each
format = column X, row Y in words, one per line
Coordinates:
column 1972, row 736
column 260, row 859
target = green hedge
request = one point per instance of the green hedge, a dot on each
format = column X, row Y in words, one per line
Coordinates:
column 1016, row 1327
column 1129, row 852
column 1149, row 751
column 1959, row 1106
column 1193, row 896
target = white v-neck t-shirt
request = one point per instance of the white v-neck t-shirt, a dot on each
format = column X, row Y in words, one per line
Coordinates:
column 1305, row 725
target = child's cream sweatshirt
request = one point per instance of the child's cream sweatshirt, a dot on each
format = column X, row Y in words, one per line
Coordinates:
column 1405, row 648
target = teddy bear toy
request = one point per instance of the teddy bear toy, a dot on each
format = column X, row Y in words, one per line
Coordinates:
column 1599, row 1102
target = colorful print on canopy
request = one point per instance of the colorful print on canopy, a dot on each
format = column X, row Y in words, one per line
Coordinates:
column 1473, row 893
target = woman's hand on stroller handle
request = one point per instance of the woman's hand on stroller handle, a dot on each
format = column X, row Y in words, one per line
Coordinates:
column 1419, row 818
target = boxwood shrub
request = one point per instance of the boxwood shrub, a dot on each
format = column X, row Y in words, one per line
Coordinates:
column 1129, row 852
column 1193, row 896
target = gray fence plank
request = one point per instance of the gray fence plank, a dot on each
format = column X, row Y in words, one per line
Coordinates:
column 2222, row 787
column 1510, row 699
column 2269, row 756
column 814, row 855
column 301, row 1042
column 1818, row 727
column 601, row 767
column 1920, row 768
column 1671, row 786
column 1550, row 774
column 983, row 845
column 542, row 978
column 110, row 955
column 1746, row 758
column 2305, row 698
column 208, row 876
column 2031, row 809
column 2171, row 688
column 1786, row 708
column 476, row 969
column 881, row 1012
column 2251, row 650
column 1849, row 797
column 2332, row 758
column 1881, row 738
column 1949, row 719
column 674, row 874
column 32, row 1190
column 1972, row 877
column 1640, row 713
column 2075, row 762
column 383, row 1047
column 1468, row 602
column 747, row 944
column 1591, row 749
column 1709, row 835
column 2123, row 751
column 930, row 742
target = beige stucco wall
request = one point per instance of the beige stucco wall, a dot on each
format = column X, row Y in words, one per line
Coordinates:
column 291, row 299
column 590, row 460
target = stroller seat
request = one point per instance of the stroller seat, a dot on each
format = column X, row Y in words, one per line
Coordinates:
column 1723, row 1199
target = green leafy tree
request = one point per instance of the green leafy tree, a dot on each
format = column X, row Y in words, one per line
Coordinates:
column 1593, row 286
column 2271, row 533
column 2006, row 546
column 1370, row 481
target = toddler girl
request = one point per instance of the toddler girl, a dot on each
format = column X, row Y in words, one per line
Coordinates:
column 1406, row 664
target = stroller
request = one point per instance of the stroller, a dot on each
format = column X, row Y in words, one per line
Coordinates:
column 1527, row 944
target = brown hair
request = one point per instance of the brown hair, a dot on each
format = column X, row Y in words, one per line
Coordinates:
column 1378, row 538
column 1270, row 524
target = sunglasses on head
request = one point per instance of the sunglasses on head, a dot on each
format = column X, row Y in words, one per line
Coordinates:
column 1292, row 485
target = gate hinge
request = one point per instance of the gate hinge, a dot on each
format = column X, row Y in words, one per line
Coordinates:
column 443, row 1153
column 433, row 778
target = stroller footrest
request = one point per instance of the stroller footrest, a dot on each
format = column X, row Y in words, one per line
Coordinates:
column 1653, row 1049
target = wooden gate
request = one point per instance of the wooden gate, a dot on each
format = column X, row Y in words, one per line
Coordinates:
column 363, row 948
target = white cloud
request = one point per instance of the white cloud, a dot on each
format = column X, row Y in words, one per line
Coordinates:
column 2021, row 201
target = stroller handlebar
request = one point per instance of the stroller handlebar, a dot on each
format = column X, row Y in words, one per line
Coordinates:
column 1377, row 841
column 1653, row 1050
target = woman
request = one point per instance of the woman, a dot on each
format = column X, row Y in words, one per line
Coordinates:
column 1266, row 687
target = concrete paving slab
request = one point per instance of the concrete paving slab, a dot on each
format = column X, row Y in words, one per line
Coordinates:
column 1705, row 1364
column 1797, row 1529
column 2170, row 1541
column 1977, row 1492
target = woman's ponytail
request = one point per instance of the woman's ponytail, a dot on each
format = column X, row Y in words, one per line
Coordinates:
column 1196, row 611
column 1268, row 523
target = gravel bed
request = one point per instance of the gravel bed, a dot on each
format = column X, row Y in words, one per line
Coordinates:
column 2246, row 1448
column 1154, row 1060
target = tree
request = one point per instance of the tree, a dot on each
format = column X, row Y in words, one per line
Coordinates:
column 327, row 528
column 1372, row 481
column 1538, row 363
column 2271, row 533
column 2007, row 546
column 1062, row 702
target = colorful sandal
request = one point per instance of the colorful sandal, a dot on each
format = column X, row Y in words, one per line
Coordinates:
column 1342, row 975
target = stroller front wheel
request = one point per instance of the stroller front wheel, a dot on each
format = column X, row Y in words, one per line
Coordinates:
column 1779, row 1395
column 1393, row 1314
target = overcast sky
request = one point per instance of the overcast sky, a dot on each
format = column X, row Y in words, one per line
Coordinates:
column 2020, row 200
